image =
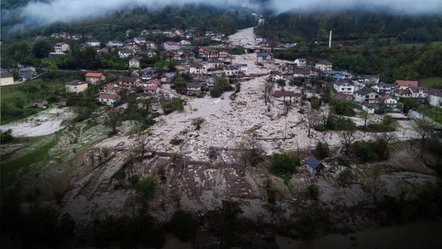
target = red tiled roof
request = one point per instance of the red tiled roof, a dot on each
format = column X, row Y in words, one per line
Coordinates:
column 110, row 86
column 94, row 75
column 107, row 96
column 286, row 94
column 407, row 83
column 154, row 81
column 151, row 88
column 386, row 97
column 341, row 96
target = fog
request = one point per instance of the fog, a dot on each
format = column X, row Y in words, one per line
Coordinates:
column 70, row 10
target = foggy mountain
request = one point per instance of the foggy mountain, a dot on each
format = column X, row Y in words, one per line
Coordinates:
column 49, row 11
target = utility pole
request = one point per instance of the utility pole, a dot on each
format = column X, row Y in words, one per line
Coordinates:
column 330, row 39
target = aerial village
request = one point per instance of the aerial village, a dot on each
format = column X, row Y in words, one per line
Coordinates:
column 225, row 100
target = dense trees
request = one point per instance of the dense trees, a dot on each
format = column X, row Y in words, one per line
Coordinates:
column 351, row 25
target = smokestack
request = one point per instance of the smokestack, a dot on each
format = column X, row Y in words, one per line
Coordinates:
column 330, row 39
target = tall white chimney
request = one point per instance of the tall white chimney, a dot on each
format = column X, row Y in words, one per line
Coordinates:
column 330, row 39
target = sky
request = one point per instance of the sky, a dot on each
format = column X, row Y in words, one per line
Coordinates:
column 69, row 10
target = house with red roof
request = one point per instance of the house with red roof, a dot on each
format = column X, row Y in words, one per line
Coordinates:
column 151, row 89
column 108, row 99
column 388, row 100
column 110, row 88
column 95, row 78
column 404, row 84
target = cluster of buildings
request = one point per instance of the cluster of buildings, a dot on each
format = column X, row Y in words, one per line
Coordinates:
column 371, row 94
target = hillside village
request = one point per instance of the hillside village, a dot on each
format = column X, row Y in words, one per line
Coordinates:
column 202, row 108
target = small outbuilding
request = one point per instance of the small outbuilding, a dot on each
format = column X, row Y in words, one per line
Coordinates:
column 314, row 166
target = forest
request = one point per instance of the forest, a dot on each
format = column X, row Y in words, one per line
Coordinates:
column 352, row 25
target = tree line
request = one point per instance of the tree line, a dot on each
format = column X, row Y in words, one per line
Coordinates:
column 352, row 25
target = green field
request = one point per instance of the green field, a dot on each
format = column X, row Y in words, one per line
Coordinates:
column 431, row 83
column 16, row 99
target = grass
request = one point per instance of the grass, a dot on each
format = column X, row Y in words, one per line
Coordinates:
column 286, row 178
column 431, row 83
column 13, row 169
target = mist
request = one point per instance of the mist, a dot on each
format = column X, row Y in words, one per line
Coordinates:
column 72, row 10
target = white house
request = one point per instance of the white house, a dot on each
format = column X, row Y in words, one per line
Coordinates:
column 324, row 65
column 62, row 47
column 242, row 68
column 369, row 108
column 419, row 92
column 134, row 63
column 344, row 87
column 193, row 87
column 384, row 88
column 108, row 99
column 198, row 68
column 389, row 101
column 93, row 43
column 185, row 43
column 370, row 78
column 115, row 44
column 259, row 39
column 125, row 53
column 76, row 86
column 367, row 95
column 215, row 63
column 301, row 62
column 150, row 45
column 435, row 98
column 151, row 89
column 263, row 57
column 171, row 45
column 140, row 40
column 231, row 70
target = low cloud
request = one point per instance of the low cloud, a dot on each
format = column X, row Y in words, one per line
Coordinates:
column 71, row 10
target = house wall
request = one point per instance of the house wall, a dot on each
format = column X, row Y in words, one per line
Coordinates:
column 76, row 89
column 368, row 110
column 6, row 81
column 348, row 89
column 324, row 67
column 435, row 101
column 107, row 101
column 92, row 80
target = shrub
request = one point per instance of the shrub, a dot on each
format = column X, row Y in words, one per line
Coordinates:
column 342, row 108
column 313, row 191
column 271, row 195
column 146, row 187
column 183, row 225
column 343, row 161
column 229, row 212
column 284, row 164
column 371, row 151
column 315, row 102
column 346, row 177
column 6, row 136
column 322, row 150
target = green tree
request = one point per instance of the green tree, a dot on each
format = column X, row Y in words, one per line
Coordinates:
column 322, row 150
column 284, row 164
column 229, row 212
column 183, row 225
column 147, row 188
column 41, row 49
column 346, row 177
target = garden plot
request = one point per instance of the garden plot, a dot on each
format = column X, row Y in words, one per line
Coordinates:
column 43, row 123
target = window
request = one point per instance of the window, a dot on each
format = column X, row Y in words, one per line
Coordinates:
column 376, row 96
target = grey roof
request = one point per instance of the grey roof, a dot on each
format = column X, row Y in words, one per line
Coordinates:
column 340, row 83
column 193, row 85
column 75, row 83
column 312, row 162
column 262, row 54
column 365, row 90
column 5, row 75
column 216, row 61
column 333, row 72
column 324, row 62
column 25, row 69
column 128, row 79
column 436, row 93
